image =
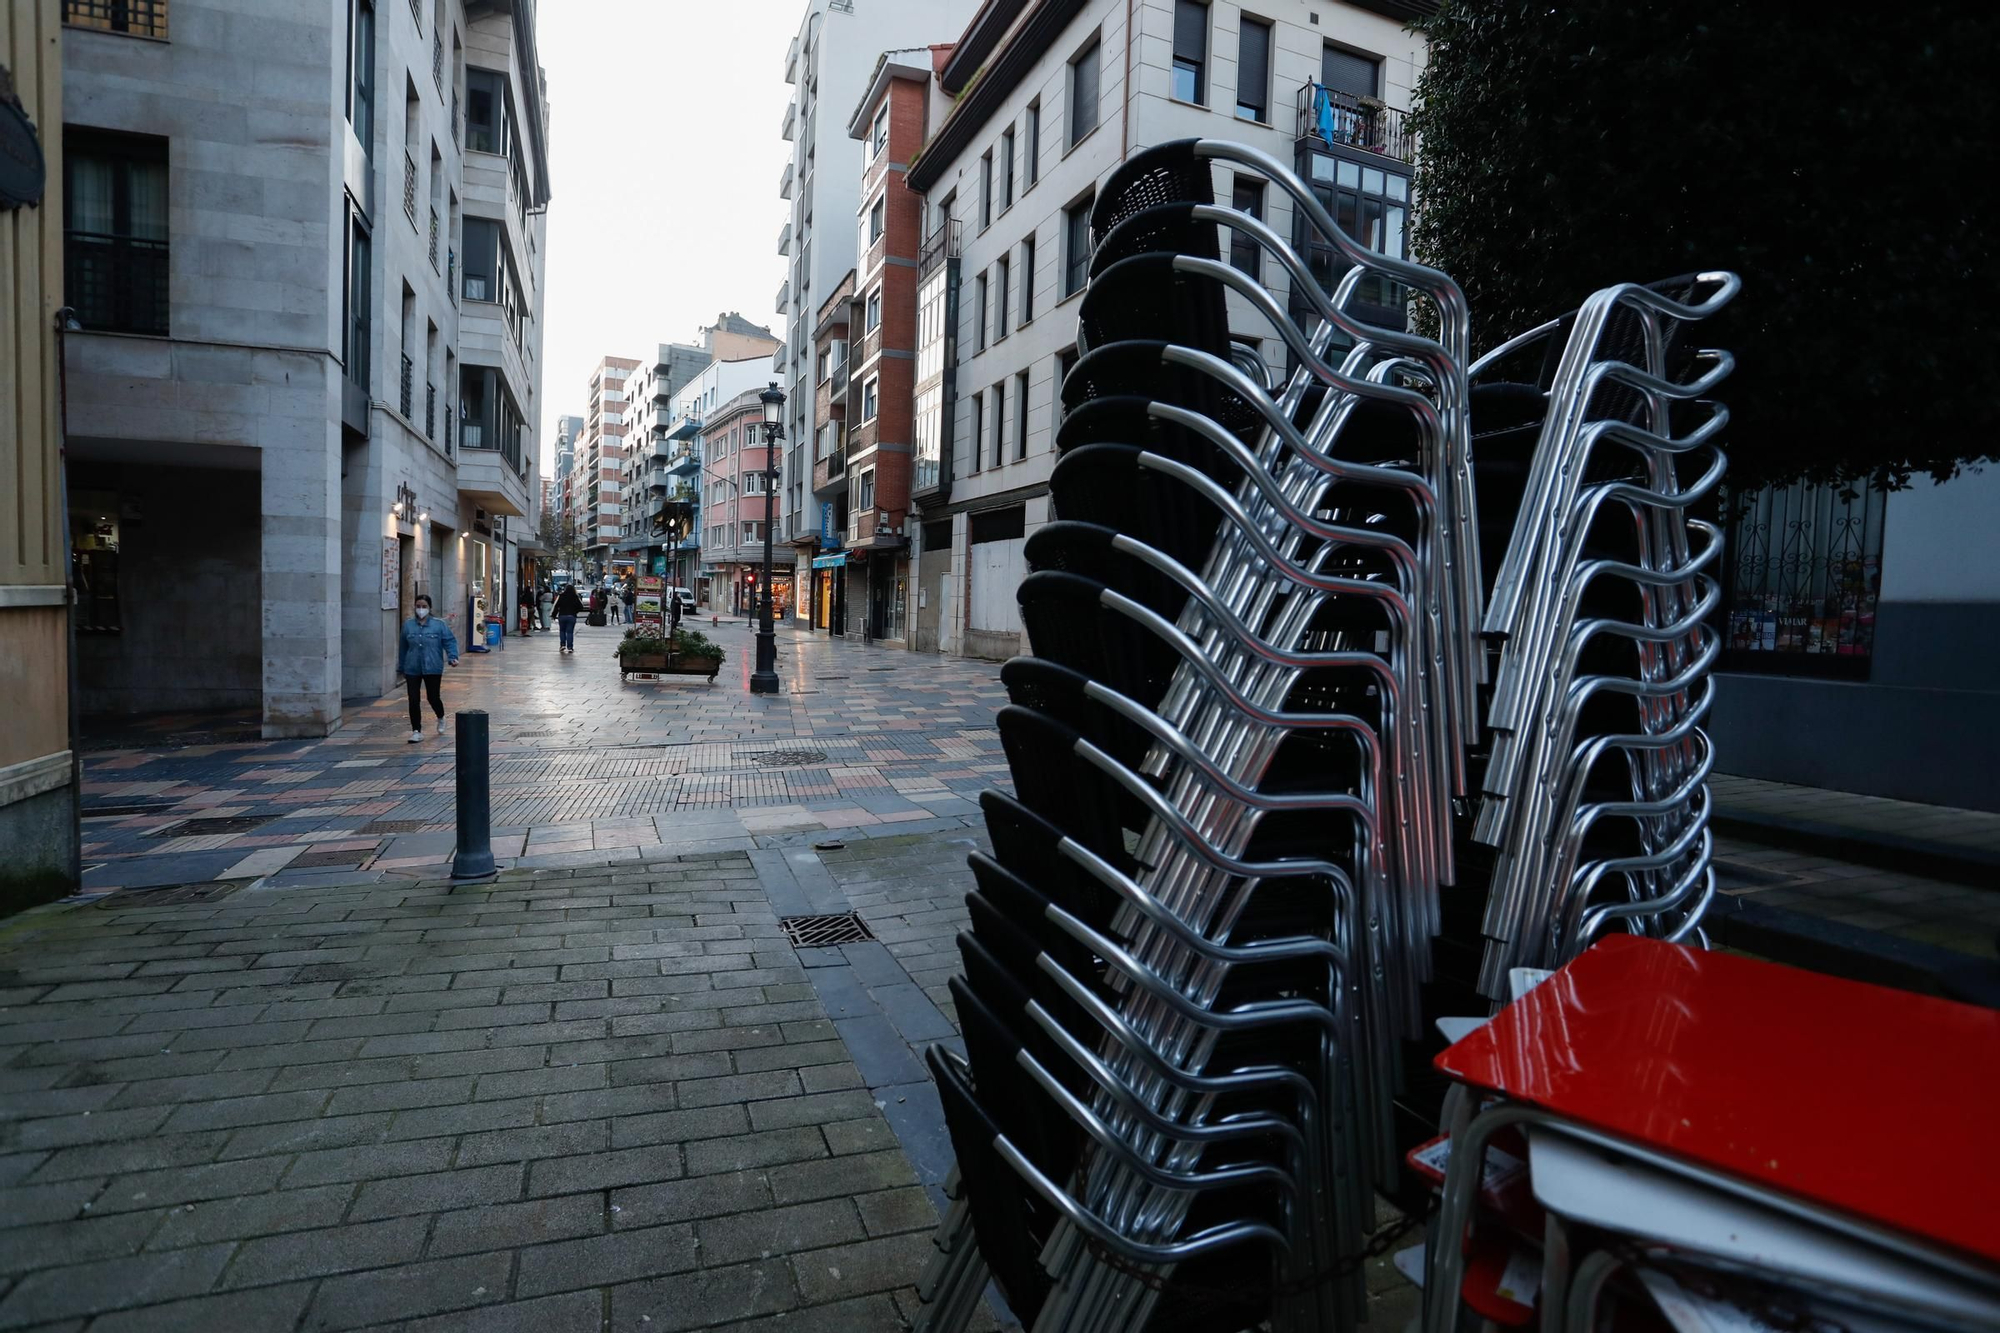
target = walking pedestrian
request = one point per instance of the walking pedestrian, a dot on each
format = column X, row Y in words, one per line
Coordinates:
column 568, row 607
column 546, row 604
column 631, row 599
column 428, row 644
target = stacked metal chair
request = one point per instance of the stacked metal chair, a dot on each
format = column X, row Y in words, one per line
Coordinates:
column 1247, row 753
column 1198, row 943
column 1594, row 792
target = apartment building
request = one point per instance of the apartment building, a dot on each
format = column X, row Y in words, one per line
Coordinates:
column 825, row 555
column 661, row 504
column 569, row 433
column 39, row 791
column 719, row 416
column 828, row 65
column 1065, row 90
column 304, row 248
column 600, row 459
column 891, row 122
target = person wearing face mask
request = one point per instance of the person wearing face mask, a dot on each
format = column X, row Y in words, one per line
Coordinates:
column 428, row 644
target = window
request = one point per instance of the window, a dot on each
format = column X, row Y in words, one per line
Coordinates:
column 355, row 326
column 753, row 482
column 986, row 190
column 1076, row 246
column 753, row 533
column 1191, row 51
column 878, row 139
column 1034, row 143
column 1083, row 93
column 1806, row 576
column 872, row 320
column 875, row 219
column 1007, row 169
column 1021, row 415
column 142, row 18
column 1253, row 70
column 979, row 312
column 482, row 259
column 978, row 428
column 115, row 242
column 1247, row 197
column 361, row 91
column 1065, row 362
column 1346, row 72
column 1002, row 272
column 866, row 498
column 1027, row 277
column 869, row 388
column 489, row 419
column 999, row 423
column 485, row 111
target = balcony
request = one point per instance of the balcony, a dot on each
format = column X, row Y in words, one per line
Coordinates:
column 658, row 479
column 792, row 62
column 785, row 238
column 784, row 296
column 685, row 463
column 410, row 186
column 791, row 120
column 686, row 428
column 1342, row 120
column 491, row 480
column 940, row 245
column 434, row 240
column 785, row 180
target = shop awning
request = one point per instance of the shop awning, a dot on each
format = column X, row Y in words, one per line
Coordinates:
column 829, row 561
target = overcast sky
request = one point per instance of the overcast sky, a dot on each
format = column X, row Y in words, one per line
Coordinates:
column 664, row 158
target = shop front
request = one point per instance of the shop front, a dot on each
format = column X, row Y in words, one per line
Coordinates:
column 829, row 574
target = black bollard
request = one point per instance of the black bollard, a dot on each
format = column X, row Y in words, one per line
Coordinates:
column 474, row 858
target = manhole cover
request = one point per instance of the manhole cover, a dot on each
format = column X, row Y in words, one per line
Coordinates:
column 789, row 758
column 167, row 895
column 815, row 932
column 349, row 860
column 196, row 828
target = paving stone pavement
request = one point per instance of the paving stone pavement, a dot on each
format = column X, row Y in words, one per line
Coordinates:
column 571, row 1099
column 583, row 766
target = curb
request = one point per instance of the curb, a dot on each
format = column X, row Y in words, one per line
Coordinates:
column 1968, row 866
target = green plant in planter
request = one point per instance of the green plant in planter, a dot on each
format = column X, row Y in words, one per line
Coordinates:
column 641, row 643
column 693, row 643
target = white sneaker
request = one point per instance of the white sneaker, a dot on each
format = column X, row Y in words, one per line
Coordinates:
column 416, row 736
column 439, row 732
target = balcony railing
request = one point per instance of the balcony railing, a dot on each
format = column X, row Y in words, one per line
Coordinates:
column 430, row 411
column 117, row 282
column 434, row 240
column 454, row 117
column 451, row 274
column 410, row 186
column 437, row 59
column 1344, row 120
column 940, row 245
column 408, row 381
column 140, row 18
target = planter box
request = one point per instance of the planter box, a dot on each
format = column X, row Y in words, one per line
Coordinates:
column 668, row 664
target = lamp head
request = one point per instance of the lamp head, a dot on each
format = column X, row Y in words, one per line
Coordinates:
column 773, row 399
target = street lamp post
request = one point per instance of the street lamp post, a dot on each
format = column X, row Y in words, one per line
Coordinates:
column 764, row 680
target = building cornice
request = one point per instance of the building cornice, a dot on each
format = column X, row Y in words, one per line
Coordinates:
column 1003, row 74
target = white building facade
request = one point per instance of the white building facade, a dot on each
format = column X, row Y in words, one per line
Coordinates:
column 1066, row 91
column 828, row 67
column 292, row 407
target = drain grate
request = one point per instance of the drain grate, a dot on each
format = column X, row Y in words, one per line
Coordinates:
column 194, row 828
column 816, row 932
column 393, row 826
column 118, row 811
column 348, row 860
column 789, row 758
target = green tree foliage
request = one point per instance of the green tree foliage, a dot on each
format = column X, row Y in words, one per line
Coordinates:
column 1836, row 156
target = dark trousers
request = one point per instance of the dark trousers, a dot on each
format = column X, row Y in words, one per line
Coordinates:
column 429, row 684
column 567, row 637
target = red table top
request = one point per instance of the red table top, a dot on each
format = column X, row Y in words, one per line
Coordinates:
column 1874, row 1102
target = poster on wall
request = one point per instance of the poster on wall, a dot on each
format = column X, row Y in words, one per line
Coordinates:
column 392, row 573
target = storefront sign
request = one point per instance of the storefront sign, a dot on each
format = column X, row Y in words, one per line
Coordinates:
column 829, row 561
column 659, row 564
column 826, row 537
